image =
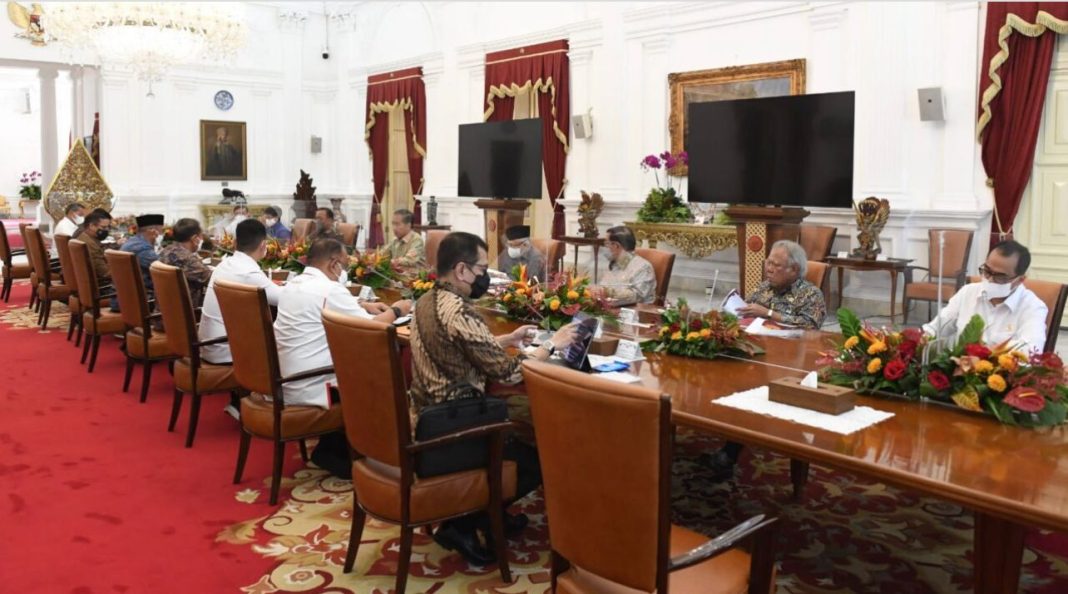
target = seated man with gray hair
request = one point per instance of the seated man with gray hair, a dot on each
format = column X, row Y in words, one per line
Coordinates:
column 630, row 277
column 785, row 296
column 521, row 252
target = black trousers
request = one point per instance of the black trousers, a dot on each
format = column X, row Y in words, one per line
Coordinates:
column 528, row 478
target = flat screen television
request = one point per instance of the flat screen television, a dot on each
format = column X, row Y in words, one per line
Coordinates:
column 500, row 159
column 788, row 151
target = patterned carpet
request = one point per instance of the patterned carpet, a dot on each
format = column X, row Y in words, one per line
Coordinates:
column 20, row 316
column 845, row 536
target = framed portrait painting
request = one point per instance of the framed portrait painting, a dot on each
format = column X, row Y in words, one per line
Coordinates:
column 770, row 79
column 223, row 150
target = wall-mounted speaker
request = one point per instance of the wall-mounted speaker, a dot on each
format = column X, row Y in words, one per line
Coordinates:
column 316, row 145
column 583, row 125
column 932, row 104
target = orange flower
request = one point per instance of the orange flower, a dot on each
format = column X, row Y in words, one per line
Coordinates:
column 851, row 342
column 664, row 330
column 877, row 347
column 554, row 304
column 705, row 333
column 875, row 365
column 984, row 366
column 677, row 335
column 572, row 295
column 507, row 297
column 1007, row 362
column 996, row 383
column 692, row 336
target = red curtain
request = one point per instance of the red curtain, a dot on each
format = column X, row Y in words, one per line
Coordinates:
column 1017, row 55
column 548, row 64
column 402, row 88
column 96, row 139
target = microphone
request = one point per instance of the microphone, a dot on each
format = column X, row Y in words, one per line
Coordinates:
column 392, row 283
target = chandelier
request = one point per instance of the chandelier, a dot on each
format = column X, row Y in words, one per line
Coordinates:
column 147, row 38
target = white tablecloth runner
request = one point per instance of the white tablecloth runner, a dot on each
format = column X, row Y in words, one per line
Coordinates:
column 756, row 400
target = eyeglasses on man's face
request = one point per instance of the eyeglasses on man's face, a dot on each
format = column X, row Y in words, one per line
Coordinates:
column 996, row 277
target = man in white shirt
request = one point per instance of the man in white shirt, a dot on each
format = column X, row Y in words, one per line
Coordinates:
column 73, row 217
column 301, row 338
column 240, row 214
column 250, row 245
column 1009, row 310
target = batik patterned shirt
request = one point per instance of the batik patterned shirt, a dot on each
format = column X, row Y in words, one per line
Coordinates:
column 801, row 304
column 408, row 252
column 630, row 279
column 454, row 346
column 197, row 274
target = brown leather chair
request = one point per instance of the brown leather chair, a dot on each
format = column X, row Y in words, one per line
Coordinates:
column 817, row 241
column 819, row 274
column 74, row 304
column 374, row 402
column 191, row 374
column 302, row 228
column 662, row 263
column 250, row 331
column 144, row 345
column 349, row 233
column 11, row 269
column 595, row 437
column 555, row 249
column 96, row 322
column 33, row 271
column 1054, row 295
column 433, row 240
column 954, row 269
column 50, row 287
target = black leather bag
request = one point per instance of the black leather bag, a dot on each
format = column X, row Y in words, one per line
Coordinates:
column 469, row 409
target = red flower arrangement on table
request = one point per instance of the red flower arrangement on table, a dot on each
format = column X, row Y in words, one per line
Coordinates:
column 1029, row 390
column 552, row 304
column 373, row 269
column 421, row 283
column 701, row 335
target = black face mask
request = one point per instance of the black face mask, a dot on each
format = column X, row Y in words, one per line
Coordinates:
column 101, row 234
column 480, row 285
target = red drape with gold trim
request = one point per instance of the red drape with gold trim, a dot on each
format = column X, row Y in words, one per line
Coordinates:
column 1017, row 56
column 546, row 67
column 403, row 88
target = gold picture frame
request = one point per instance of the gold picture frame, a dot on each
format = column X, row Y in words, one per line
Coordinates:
column 769, row 79
column 223, row 151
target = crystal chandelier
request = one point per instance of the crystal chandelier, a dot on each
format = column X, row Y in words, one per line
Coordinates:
column 147, row 38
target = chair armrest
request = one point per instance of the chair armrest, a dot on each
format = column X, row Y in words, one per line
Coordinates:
column 155, row 316
column 107, row 294
column 721, row 543
column 473, row 432
column 18, row 252
column 307, row 374
column 218, row 340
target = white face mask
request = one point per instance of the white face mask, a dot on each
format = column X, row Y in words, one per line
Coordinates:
column 240, row 218
column 78, row 220
column 200, row 244
column 159, row 240
column 270, row 222
column 995, row 291
column 514, row 252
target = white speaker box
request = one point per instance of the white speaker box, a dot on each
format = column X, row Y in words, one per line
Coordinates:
column 583, row 126
column 932, row 104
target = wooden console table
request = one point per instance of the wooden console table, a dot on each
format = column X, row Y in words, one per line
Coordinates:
column 696, row 241
column 894, row 266
column 578, row 242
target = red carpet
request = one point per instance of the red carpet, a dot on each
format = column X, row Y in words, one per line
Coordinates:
column 97, row 496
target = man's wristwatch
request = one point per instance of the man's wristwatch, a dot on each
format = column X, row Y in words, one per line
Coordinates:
column 771, row 313
column 549, row 347
column 396, row 312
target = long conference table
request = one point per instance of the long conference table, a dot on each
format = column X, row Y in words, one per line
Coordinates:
column 1011, row 478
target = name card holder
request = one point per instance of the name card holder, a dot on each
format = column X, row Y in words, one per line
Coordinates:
column 833, row 400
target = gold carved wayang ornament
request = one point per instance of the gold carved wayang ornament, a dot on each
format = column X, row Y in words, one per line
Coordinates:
column 678, row 82
column 78, row 180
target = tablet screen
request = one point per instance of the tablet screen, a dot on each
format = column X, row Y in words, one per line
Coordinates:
column 575, row 354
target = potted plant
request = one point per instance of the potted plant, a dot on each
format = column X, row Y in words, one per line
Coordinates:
column 31, row 185
column 664, row 204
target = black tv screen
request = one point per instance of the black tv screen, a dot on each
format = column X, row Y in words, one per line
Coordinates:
column 788, row 151
column 500, row 159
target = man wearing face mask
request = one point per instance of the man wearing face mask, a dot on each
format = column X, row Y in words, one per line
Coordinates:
column 95, row 229
column 74, row 216
column 240, row 214
column 521, row 252
column 630, row 277
column 275, row 228
column 1009, row 310
column 182, row 253
column 301, row 338
column 451, row 345
column 145, row 245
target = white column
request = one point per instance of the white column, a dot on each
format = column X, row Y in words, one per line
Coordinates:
column 77, row 89
column 49, row 150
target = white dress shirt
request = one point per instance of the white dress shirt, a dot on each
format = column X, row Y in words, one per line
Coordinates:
column 65, row 226
column 231, row 229
column 1021, row 318
column 238, row 268
column 301, row 338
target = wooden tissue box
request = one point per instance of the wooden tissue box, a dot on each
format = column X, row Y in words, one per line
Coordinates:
column 833, row 400
column 649, row 314
column 605, row 346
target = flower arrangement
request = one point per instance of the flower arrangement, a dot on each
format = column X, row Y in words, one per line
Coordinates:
column 874, row 360
column 422, row 282
column 1017, row 388
column 31, row 185
column 664, row 205
column 294, row 256
column 276, row 256
column 552, row 304
column 372, row 269
column 707, row 335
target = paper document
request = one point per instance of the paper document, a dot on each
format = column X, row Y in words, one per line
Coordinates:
column 620, row 376
column 759, row 327
column 733, row 302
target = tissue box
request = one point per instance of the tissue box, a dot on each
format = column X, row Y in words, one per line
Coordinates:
column 833, row 400
column 649, row 314
column 605, row 346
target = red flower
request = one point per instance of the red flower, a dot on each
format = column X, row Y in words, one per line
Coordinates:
column 1025, row 399
column 895, row 370
column 938, row 380
column 675, row 327
column 696, row 325
column 977, row 350
column 912, row 334
column 571, row 309
column 907, row 349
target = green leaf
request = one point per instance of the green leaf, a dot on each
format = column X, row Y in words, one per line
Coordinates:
column 849, row 322
column 972, row 333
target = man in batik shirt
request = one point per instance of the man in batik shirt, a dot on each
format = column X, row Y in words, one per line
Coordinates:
column 785, row 296
column 182, row 253
column 630, row 277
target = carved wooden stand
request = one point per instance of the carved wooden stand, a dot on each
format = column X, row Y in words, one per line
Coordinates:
column 758, row 228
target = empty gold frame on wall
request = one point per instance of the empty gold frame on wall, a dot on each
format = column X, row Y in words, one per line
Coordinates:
column 770, row 79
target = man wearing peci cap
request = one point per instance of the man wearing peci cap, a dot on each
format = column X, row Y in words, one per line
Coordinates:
column 144, row 245
column 521, row 251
